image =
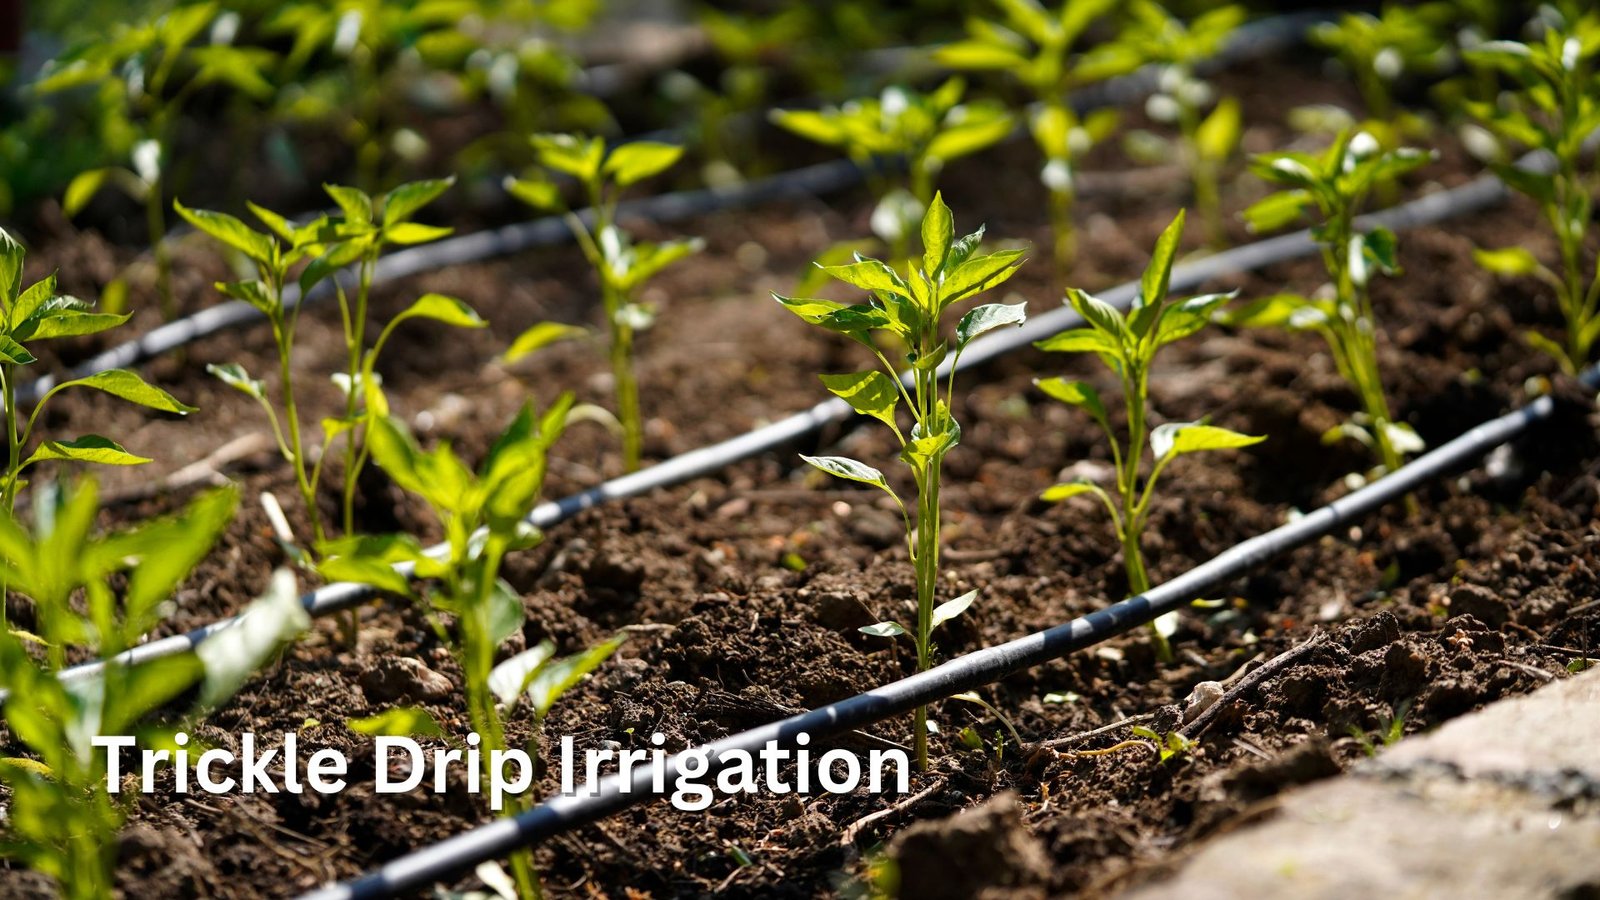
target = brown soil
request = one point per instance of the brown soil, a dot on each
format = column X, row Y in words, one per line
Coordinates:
column 743, row 591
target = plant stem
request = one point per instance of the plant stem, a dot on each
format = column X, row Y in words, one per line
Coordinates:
column 927, row 566
column 156, row 223
column 353, row 340
column 627, row 385
column 1135, row 388
column 1066, row 239
column 8, row 495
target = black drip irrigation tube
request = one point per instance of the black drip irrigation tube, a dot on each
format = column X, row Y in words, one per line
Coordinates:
column 1254, row 40
column 973, row 670
column 1475, row 195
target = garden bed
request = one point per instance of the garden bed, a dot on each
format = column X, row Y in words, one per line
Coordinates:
column 744, row 591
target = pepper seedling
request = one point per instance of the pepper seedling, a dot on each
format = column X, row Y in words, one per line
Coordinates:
column 470, row 608
column 330, row 244
column 903, row 131
column 101, row 594
column 1207, row 140
column 1035, row 46
column 144, row 74
column 621, row 265
column 1128, row 344
column 1377, row 50
column 1556, row 107
column 40, row 314
column 912, row 309
column 1331, row 189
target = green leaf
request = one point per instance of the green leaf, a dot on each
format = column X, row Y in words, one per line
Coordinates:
column 355, row 204
column 507, row 615
column 1218, row 135
column 570, row 154
column 1158, row 274
column 639, row 160
column 1507, row 261
column 13, row 352
column 1063, row 492
column 539, row 193
column 1101, row 316
column 400, row 204
column 975, row 55
column 1268, row 312
column 129, row 386
column 1277, row 210
column 234, row 376
column 844, row 467
column 398, row 721
column 1079, row 340
column 1381, row 247
column 65, row 317
column 979, row 274
column 540, row 336
column 980, row 128
column 91, row 448
column 230, row 231
column 1188, row 317
column 869, row 275
column 232, row 654
column 510, row 678
column 949, row 609
column 408, row 233
column 1075, row 393
column 884, row 629
column 1178, row 438
column 868, row 393
column 938, row 230
column 82, row 189
column 556, row 678
column 441, row 308
column 987, row 318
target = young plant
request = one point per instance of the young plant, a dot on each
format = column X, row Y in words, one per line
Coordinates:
column 902, row 140
column 1035, row 45
column 1556, row 107
column 40, row 314
column 470, row 608
column 1128, row 344
column 1206, row 140
column 1331, row 190
column 913, row 310
column 621, row 265
column 1378, row 49
column 145, row 73
column 101, row 594
column 330, row 244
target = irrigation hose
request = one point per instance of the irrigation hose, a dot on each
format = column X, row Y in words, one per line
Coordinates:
column 1253, row 41
column 969, row 672
column 1475, row 195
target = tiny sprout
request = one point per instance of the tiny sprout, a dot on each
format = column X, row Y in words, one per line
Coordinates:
column 1173, row 746
column 621, row 265
column 1127, row 344
column 912, row 309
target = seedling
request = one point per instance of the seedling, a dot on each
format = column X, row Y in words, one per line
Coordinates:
column 363, row 37
column 1331, row 189
column 621, row 265
column 331, row 244
column 470, row 608
column 40, row 314
column 62, row 819
column 1128, row 344
column 903, row 131
column 1173, row 746
column 1207, row 139
column 144, row 74
column 1555, row 109
column 1035, row 45
column 1378, row 50
column 912, row 310
column 1391, row 728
